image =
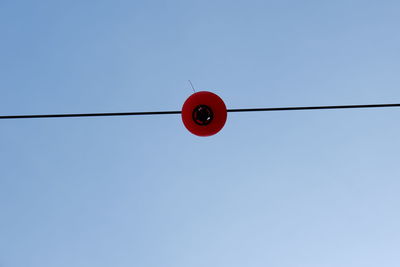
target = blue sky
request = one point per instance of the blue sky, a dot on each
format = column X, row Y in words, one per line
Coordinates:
column 309, row 188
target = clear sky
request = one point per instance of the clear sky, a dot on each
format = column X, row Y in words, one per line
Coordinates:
column 283, row 189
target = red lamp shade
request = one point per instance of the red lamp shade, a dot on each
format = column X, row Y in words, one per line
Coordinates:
column 204, row 113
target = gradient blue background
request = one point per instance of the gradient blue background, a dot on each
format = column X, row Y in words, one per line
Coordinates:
column 306, row 188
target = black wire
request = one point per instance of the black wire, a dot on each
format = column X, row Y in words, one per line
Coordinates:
column 179, row 112
column 89, row 115
column 315, row 107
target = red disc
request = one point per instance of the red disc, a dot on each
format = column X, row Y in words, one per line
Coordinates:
column 204, row 113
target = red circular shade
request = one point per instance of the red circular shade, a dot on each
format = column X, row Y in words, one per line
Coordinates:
column 204, row 113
